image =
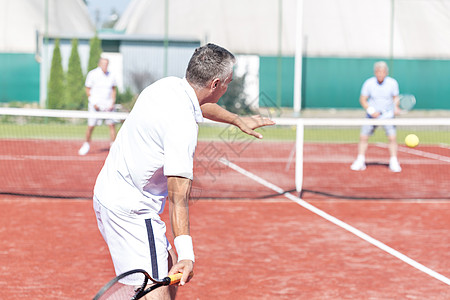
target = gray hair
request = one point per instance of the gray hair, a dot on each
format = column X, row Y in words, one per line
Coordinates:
column 380, row 65
column 208, row 63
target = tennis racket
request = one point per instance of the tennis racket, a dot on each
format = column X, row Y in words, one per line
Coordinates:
column 407, row 102
column 133, row 285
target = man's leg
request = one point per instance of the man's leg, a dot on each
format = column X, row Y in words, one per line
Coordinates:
column 394, row 165
column 112, row 132
column 165, row 292
column 86, row 145
column 363, row 145
column 89, row 131
column 393, row 147
column 360, row 163
column 391, row 133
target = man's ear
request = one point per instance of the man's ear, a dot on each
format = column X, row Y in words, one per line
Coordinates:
column 215, row 83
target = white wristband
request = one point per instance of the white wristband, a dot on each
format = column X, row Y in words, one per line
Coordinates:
column 370, row 110
column 185, row 249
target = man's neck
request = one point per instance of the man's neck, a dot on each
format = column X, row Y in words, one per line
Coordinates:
column 203, row 94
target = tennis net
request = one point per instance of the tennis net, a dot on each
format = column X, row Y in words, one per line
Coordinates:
column 39, row 157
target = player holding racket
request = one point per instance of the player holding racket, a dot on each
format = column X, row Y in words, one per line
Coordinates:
column 379, row 97
column 101, row 89
column 152, row 160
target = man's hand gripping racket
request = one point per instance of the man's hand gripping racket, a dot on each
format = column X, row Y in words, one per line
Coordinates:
column 134, row 285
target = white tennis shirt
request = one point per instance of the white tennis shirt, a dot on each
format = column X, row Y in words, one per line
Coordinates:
column 380, row 95
column 158, row 139
column 101, row 85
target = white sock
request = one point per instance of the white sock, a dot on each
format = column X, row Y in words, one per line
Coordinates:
column 361, row 157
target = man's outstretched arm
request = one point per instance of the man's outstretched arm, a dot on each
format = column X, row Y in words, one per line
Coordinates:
column 247, row 124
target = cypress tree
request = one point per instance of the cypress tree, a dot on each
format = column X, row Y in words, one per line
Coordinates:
column 76, row 97
column 56, row 84
column 235, row 98
column 95, row 52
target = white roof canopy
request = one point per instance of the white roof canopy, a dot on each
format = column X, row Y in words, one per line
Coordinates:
column 345, row 28
column 21, row 19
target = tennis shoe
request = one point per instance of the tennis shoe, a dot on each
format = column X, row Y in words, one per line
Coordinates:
column 84, row 149
column 394, row 166
column 358, row 165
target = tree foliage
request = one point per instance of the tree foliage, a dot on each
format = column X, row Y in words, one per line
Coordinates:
column 76, row 97
column 95, row 52
column 235, row 99
column 56, row 85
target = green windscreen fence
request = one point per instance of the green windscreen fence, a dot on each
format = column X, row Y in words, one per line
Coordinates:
column 336, row 82
column 19, row 78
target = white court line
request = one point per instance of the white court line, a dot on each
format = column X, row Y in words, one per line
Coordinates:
column 419, row 153
column 338, row 222
column 54, row 158
column 425, row 154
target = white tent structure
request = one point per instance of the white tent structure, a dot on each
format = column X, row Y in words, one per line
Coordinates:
column 23, row 21
column 347, row 28
column 25, row 29
column 335, row 29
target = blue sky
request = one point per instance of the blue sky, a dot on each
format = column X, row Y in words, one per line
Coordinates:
column 105, row 7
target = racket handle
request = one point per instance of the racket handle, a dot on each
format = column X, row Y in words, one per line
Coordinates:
column 175, row 278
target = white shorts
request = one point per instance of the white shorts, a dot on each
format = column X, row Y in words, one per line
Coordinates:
column 98, row 122
column 390, row 130
column 134, row 241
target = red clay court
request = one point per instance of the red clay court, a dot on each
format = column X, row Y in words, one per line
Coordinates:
column 250, row 243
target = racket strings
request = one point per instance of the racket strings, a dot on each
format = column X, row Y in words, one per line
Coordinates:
column 120, row 291
column 125, row 287
column 407, row 102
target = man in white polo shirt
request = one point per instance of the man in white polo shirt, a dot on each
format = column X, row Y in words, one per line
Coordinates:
column 379, row 97
column 101, row 91
column 152, row 160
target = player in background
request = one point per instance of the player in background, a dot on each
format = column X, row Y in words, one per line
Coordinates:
column 380, row 98
column 101, row 89
column 152, row 160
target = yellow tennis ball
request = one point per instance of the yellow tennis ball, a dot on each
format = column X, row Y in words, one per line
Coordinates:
column 411, row 140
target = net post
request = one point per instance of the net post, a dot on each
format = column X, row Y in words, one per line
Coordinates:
column 299, row 155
